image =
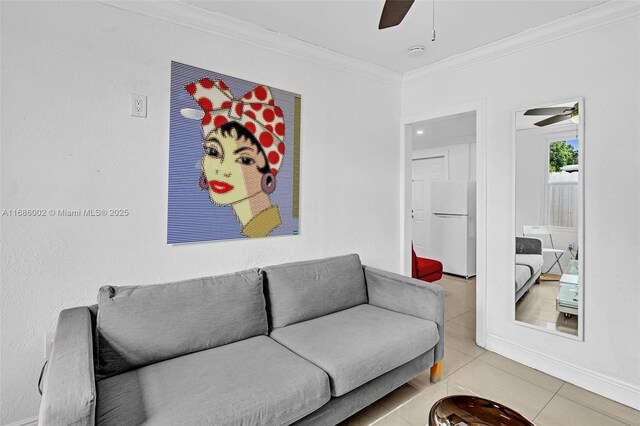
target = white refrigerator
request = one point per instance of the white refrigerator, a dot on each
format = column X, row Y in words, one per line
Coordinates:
column 453, row 226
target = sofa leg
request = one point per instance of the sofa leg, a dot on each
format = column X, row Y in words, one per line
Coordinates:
column 538, row 280
column 436, row 372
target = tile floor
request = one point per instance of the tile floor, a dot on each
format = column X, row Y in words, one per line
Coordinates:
column 538, row 307
column 469, row 369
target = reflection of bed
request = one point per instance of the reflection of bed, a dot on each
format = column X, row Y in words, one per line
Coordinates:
column 529, row 262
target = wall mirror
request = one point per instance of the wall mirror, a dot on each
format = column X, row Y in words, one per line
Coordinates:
column 549, row 170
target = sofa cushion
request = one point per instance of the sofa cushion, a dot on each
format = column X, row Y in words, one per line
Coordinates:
column 140, row 325
column 359, row 344
column 522, row 276
column 252, row 382
column 533, row 261
column 304, row 290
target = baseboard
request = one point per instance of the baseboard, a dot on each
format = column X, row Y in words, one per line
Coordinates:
column 31, row 421
column 617, row 390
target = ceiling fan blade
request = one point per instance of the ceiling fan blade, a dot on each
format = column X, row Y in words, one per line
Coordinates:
column 546, row 111
column 394, row 12
column 552, row 120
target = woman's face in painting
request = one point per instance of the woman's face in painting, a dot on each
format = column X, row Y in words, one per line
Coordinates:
column 230, row 165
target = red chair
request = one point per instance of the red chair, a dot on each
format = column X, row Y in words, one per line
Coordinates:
column 425, row 269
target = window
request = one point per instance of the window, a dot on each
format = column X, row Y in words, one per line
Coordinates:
column 562, row 184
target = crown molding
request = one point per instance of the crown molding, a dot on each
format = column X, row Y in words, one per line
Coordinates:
column 186, row 15
column 594, row 17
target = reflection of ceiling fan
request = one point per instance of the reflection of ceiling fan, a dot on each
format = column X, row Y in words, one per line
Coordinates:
column 559, row 114
column 394, row 12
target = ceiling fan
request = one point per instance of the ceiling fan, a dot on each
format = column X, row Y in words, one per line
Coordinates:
column 559, row 114
column 394, row 12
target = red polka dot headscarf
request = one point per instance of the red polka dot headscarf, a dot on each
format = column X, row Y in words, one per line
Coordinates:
column 256, row 111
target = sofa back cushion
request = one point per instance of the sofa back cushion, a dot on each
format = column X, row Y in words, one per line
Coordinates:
column 302, row 291
column 141, row 325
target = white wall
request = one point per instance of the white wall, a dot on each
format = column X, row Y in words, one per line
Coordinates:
column 530, row 178
column 601, row 64
column 68, row 141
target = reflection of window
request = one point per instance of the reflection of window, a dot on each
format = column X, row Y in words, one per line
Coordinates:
column 562, row 184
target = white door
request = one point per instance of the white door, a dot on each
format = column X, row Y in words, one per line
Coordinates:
column 423, row 171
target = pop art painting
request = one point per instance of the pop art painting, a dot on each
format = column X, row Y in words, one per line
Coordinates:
column 233, row 158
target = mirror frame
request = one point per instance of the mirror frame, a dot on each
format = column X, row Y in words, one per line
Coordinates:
column 581, row 199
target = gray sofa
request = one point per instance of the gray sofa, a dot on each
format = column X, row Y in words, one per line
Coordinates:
column 307, row 343
column 529, row 261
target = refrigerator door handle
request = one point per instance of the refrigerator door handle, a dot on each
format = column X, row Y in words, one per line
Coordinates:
column 449, row 215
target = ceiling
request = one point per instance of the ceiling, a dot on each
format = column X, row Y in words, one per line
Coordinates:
column 443, row 131
column 351, row 26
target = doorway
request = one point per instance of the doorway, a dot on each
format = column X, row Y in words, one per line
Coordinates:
column 476, row 166
column 443, row 192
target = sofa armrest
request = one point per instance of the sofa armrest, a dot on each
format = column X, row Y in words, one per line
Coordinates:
column 527, row 245
column 409, row 296
column 69, row 390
